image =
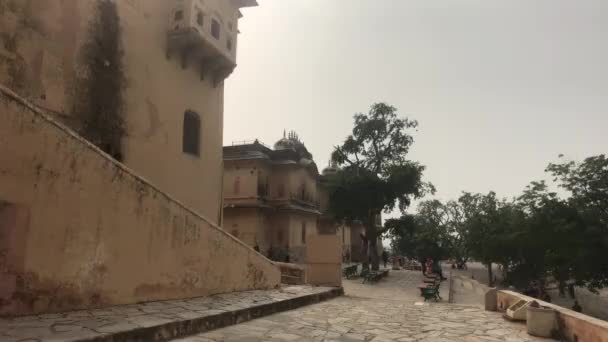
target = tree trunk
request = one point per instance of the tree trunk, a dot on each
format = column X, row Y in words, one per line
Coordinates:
column 490, row 276
column 365, row 251
column 372, row 235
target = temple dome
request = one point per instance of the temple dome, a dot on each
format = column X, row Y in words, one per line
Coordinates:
column 291, row 141
column 332, row 169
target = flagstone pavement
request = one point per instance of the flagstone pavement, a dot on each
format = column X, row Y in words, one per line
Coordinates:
column 390, row 310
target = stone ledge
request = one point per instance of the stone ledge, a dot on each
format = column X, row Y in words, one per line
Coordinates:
column 573, row 326
column 136, row 324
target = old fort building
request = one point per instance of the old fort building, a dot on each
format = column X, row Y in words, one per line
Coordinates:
column 270, row 197
column 141, row 79
column 111, row 154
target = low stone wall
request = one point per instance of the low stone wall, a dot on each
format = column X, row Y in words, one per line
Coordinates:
column 324, row 260
column 573, row 325
column 464, row 290
column 79, row 230
column 464, row 284
column 593, row 304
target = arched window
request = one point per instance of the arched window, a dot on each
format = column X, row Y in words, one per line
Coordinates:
column 192, row 133
column 199, row 18
column 179, row 15
column 215, row 28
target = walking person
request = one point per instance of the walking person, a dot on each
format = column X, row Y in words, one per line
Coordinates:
column 384, row 258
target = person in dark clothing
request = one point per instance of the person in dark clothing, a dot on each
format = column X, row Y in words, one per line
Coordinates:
column 384, row 258
column 437, row 270
column 571, row 290
column 576, row 307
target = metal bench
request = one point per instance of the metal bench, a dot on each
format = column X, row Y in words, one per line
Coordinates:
column 350, row 271
column 431, row 292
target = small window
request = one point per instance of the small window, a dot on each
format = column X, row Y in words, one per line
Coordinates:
column 303, row 232
column 199, row 18
column 179, row 15
column 229, row 44
column 192, row 132
column 230, row 26
column 215, row 29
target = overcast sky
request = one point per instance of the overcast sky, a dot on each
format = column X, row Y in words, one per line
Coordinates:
column 500, row 88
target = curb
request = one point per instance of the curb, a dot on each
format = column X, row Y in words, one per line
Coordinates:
column 187, row 327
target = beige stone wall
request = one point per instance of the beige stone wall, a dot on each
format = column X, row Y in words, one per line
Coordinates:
column 279, row 182
column 301, row 178
column 39, row 59
column 80, row 230
column 280, row 224
column 298, row 222
column 324, row 260
column 240, row 180
column 323, row 197
column 244, row 226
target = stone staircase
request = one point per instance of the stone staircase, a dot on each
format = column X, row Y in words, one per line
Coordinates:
column 161, row 321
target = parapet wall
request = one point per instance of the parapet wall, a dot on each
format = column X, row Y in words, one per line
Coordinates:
column 78, row 230
column 573, row 325
column 464, row 290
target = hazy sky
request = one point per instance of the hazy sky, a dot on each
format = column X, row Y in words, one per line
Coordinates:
column 500, row 88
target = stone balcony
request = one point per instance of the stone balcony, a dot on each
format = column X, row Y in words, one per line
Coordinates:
column 193, row 46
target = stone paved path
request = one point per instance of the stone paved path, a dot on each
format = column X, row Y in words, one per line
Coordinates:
column 388, row 311
column 78, row 325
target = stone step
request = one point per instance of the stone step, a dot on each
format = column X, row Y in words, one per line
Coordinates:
column 291, row 280
column 161, row 321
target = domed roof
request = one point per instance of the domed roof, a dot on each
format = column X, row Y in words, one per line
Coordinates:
column 332, row 169
column 284, row 143
column 291, row 141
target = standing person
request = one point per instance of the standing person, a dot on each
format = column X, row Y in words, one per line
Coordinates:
column 428, row 266
column 384, row 257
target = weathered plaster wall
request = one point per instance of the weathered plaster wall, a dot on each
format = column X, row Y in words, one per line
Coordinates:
column 244, row 225
column 301, row 178
column 79, row 230
column 324, row 260
column 279, row 182
column 40, row 47
column 297, row 247
column 241, row 180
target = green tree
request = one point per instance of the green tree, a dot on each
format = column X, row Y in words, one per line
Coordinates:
column 421, row 235
column 587, row 184
column 375, row 174
column 487, row 225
